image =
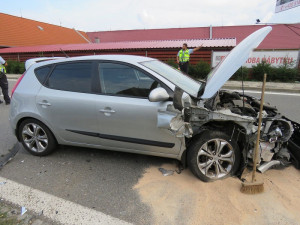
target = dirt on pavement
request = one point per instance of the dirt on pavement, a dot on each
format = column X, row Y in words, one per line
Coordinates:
column 183, row 199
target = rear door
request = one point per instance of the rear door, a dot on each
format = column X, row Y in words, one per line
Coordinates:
column 66, row 101
column 127, row 119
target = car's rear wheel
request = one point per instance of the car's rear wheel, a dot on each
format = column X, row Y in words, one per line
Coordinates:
column 213, row 156
column 36, row 138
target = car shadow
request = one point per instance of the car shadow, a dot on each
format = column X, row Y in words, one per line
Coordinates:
column 99, row 179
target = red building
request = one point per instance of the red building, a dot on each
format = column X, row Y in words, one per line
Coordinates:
column 162, row 44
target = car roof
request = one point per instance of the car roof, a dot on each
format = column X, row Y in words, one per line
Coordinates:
column 123, row 58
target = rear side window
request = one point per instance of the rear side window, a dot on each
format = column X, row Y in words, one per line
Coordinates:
column 41, row 73
column 75, row 77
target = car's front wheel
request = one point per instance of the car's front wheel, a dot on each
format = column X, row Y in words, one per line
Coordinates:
column 36, row 137
column 212, row 156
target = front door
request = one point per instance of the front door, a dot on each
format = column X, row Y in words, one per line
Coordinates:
column 127, row 119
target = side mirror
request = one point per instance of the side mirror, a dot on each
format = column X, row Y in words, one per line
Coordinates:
column 158, row 95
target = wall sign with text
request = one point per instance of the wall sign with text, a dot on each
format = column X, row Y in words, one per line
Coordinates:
column 275, row 58
column 282, row 5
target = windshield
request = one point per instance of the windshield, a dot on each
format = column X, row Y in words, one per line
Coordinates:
column 173, row 75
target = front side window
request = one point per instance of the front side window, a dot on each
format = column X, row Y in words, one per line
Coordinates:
column 123, row 80
column 75, row 77
column 179, row 79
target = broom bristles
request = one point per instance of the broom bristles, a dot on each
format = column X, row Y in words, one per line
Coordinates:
column 252, row 188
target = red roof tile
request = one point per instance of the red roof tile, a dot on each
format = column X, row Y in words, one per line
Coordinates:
column 17, row 31
column 281, row 37
column 123, row 45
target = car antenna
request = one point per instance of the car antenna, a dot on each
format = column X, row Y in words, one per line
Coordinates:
column 243, row 90
column 64, row 53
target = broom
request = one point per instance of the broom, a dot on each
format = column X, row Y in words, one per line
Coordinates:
column 255, row 186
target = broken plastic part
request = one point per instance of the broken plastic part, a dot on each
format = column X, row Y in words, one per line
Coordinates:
column 173, row 121
column 166, row 172
column 267, row 165
column 9, row 156
column 181, row 128
column 23, row 210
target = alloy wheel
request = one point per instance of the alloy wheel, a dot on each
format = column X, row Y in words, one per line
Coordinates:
column 34, row 137
column 216, row 158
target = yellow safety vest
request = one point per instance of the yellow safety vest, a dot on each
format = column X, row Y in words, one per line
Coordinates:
column 2, row 68
column 184, row 56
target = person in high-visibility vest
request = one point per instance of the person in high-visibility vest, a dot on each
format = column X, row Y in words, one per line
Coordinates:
column 3, row 81
column 183, row 57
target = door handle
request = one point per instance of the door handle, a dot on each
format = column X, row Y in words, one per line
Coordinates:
column 107, row 110
column 44, row 103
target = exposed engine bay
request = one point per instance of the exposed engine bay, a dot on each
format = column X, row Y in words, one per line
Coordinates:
column 237, row 115
column 276, row 130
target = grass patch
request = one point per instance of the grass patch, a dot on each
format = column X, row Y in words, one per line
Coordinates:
column 5, row 219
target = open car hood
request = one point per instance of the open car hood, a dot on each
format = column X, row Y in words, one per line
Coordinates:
column 232, row 62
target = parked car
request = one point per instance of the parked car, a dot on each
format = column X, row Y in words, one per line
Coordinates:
column 141, row 105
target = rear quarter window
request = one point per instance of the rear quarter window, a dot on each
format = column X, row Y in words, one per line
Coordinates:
column 41, row 73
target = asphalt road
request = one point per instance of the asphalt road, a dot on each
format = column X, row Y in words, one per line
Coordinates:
column 101, row 180
column 287, row 104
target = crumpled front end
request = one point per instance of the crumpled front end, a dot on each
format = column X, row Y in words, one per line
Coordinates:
column 236, row 115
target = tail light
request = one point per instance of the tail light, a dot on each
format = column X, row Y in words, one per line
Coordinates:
column 16, row 85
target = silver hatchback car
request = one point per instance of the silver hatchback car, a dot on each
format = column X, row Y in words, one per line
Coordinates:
column 141, row 105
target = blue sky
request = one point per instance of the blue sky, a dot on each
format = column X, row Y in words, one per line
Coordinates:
column 96, row 15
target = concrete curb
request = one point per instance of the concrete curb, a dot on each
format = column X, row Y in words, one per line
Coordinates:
column 270, row 86
column 268, row 89
column 237, row 85
column 13, row 76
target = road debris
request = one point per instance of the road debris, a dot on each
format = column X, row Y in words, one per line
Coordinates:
column 23, row 210
column 166, row 172
column 180, row 168
column 10, row 155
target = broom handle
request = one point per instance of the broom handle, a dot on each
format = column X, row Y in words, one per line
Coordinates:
column 255, row 159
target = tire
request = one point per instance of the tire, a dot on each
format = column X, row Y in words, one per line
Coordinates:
column 206, row 162
column 36, row 138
